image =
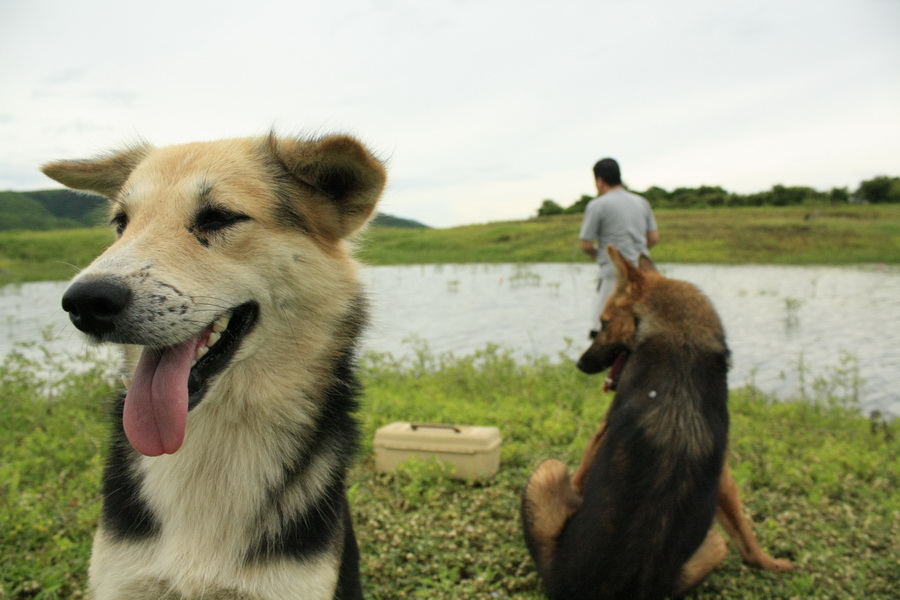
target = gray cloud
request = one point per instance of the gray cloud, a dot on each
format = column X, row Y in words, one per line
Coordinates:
column 484, row 108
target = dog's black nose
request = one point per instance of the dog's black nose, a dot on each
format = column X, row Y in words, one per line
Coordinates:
column 94, row 306
column 586, row 366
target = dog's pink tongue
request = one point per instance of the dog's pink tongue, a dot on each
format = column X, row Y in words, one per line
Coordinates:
column 612, row 376
column 156, row 404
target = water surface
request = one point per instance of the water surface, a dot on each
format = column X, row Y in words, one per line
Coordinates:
column 782, row 322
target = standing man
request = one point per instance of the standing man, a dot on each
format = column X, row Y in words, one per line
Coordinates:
column 617, row 217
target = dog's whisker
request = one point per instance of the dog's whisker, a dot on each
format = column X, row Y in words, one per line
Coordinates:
column 295, row 340
column 75, row 268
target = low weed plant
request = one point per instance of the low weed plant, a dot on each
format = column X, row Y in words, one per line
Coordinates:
column 52, row 444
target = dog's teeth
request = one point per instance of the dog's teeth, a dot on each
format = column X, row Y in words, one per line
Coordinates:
column 221, row 324
column 126, row 381
column 201, row 352
column 213, row 338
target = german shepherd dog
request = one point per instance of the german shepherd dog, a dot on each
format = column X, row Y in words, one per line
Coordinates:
column 634, row 521
column 233, row 287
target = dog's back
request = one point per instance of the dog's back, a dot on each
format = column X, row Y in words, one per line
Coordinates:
column 650, row 495
column 652, row 488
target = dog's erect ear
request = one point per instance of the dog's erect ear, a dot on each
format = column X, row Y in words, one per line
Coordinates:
column 104, row 175
column 625, row 271
column 618, row 262
column 628, row 277
column 341, row 170
column 646, row 265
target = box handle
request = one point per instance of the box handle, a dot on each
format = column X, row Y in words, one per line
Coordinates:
column 415, row 426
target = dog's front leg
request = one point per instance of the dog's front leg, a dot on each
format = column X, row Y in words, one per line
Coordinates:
column 590, row 453
column 730, row 515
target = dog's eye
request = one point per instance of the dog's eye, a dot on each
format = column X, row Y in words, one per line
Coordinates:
column 210, row 220
column 119, row 222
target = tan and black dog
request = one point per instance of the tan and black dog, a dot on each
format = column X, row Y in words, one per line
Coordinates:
column 233, row 288
column 634, row 521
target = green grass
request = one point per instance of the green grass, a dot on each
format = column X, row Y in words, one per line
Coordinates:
column 52, row 446
column 836, row 236
column 768, row 235
column 49, row 255
column 821, row 483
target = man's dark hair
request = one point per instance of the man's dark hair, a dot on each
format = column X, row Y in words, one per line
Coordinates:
column 607, row 169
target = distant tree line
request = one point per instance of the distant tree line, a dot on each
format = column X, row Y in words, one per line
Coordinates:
column 879, row 190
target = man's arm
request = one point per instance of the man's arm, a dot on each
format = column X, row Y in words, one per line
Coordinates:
column 590, row 229
column 652, row 239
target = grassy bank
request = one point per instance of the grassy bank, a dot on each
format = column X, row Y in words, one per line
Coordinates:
column 49, row 255
column 830, row 236
column 821, row 484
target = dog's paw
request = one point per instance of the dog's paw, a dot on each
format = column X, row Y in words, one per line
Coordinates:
column 776, row 565
column 780, row 565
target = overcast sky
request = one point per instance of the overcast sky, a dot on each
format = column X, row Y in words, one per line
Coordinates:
column 481, row 109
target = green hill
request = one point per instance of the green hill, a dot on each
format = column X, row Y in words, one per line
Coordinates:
column 385, row 220
column 49, row 209
column 44, row 210
column 86, row 209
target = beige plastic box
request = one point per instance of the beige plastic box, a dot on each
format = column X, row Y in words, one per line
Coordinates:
column 473, row 452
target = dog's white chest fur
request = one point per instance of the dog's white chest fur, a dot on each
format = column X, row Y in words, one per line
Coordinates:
column 210, row 507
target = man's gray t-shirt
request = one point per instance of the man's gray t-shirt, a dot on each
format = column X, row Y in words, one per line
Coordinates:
column 622, row 219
